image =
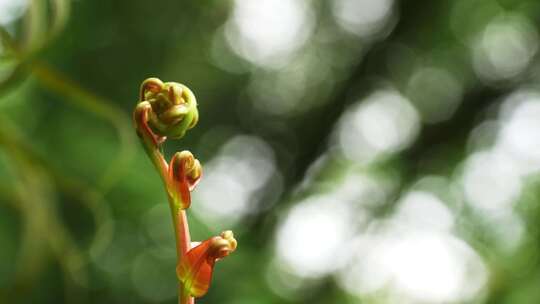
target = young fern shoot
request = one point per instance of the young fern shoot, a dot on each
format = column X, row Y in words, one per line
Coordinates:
column 168, row 110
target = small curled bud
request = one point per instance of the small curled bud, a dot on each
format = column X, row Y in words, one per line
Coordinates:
column 140, row 117
column 222, row 246
column 185, row 171
column 174, row 107
column 195, row 270
column 228, row 236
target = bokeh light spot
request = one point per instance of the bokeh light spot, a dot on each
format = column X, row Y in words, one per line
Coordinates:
column 310, row 238
column 435, row 93
column 415, row 267
column 268, row 32
column 490, row 181
column 519, row 135
column 384, row 123
column 505, row 48
column 243, row 166
column 364, row 18
column 425, row 210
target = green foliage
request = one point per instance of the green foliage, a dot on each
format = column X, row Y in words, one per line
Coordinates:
column 305, row 106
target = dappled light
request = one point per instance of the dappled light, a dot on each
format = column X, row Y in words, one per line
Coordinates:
column 365, row 18
column 418, row 266
column 311, row 238
column 268, row 32
column 382, row 124
column 435, row 93
column 505, row 47
column 253, row 165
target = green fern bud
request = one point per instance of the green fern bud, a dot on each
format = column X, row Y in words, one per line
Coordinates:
column 174, row 107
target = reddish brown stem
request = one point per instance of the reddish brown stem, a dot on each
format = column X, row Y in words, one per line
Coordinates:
column 152, row 144
column 183, row 244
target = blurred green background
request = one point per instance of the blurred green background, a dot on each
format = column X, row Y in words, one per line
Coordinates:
column 363, row 151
